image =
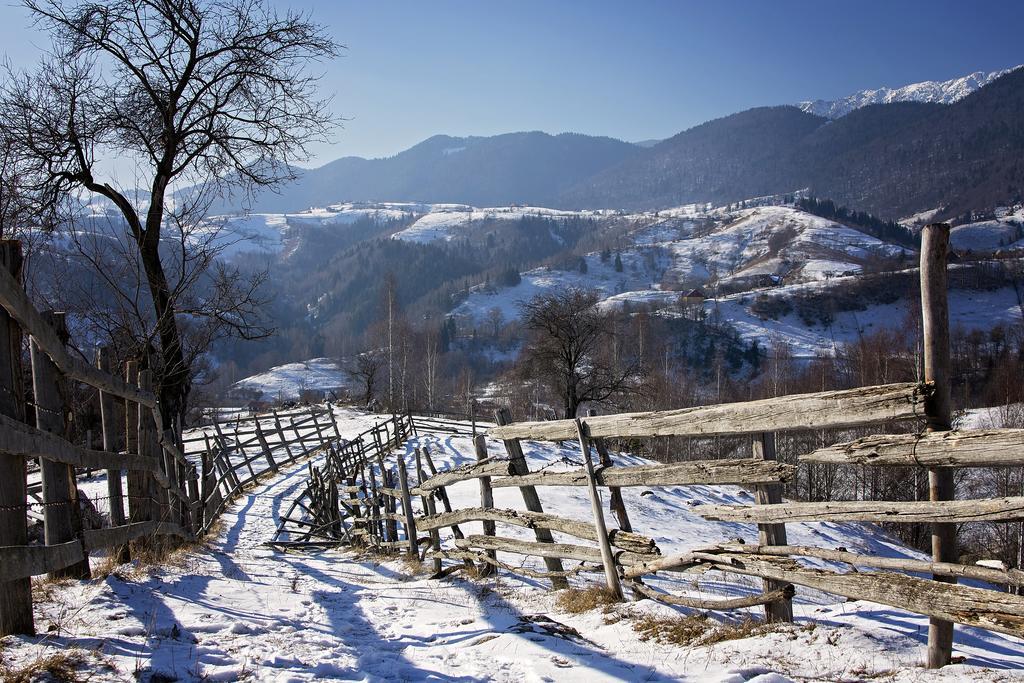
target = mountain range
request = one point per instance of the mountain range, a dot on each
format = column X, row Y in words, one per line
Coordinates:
column 942, row 92
column 956, row 146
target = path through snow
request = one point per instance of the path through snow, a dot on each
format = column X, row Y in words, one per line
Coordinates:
column 237, row 609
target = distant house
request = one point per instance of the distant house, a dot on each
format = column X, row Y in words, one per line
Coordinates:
column 691, row 303
column 694, row 296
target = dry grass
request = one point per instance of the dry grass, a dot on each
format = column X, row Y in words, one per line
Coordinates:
column 579, row 600
column 699, row 630
column 45, row 589
column 413, row 566
column 62, row 667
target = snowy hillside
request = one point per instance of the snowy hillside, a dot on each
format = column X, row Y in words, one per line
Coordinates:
column 680, row 249
column 444, row 221
column 944, row 92
column 968, row 309
column 288, row 382
column 1005, row 231
column 234, row 609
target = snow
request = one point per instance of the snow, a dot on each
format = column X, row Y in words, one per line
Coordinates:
column 601, row 277
column 444, row 221
column 969, row 309
column 945, row 92
column 234, row 608
column 1006, row 231
column 765, row 241
column 288, row 382
column 267, row 233
column 774, row 239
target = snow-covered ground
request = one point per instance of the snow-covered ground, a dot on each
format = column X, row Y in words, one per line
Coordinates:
column 288, row 382
column 237, row 610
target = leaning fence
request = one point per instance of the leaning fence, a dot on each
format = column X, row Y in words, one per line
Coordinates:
column 376, row 513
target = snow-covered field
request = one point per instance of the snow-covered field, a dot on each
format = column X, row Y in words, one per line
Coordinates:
column 288, row 382
column 237, row 610
column 444, row 221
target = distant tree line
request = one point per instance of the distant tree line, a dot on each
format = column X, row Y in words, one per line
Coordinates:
column 886, row 230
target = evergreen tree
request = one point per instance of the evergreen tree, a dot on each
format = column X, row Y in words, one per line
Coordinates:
column 618, row 262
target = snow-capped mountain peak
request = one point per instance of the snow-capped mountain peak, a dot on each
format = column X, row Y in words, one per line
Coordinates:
column 944, row 92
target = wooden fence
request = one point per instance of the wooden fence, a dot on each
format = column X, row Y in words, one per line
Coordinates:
column 158, row 487
column 350, row 498
column 623, row 554
column 160, row 480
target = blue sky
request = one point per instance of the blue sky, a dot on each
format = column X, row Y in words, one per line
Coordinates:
column 632, row 70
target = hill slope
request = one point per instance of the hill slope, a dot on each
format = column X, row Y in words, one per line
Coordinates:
column 515, row 168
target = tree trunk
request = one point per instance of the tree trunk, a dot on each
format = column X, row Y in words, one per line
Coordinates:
column 174, row 378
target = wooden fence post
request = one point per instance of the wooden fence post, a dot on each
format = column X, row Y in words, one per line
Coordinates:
column 410, row 518
column 938, row 412
column 209, row 493
column 16, row 595
column 297, row 433
column 763, row 448
column 159, row 503
column 487, row 503
column 140, row 503
column 441, row 492
column 430, row 509
column 611, row 575
column 280, row 434
column 334, row 422
column 616, row 503
column 265, row 445
column 115, row 490
column 60, row 487
column 530, row 498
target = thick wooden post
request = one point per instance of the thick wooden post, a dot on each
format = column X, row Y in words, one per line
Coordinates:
column 938, row 412
column 15, row 596
column 60, row 487
column 616, row 503
column 611, row 574
column 108, row 420
column 410, row 518
column 530, row 498
column 771, row 534
column 487, row 503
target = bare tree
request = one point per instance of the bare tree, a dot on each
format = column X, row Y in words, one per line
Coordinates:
column 569, row 348
column 208, row 94
column 365, row 369
column 431, row 362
